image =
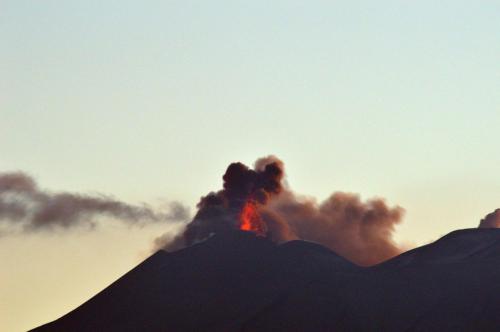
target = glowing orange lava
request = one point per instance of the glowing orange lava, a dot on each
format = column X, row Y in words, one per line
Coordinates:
column 251, row 220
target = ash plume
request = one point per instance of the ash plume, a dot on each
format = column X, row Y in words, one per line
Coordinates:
column 219, row 211
column 359, row 230
column 491, row 220
column 24, row 205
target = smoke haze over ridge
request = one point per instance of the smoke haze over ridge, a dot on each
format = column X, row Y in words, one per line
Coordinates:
column 492, row 220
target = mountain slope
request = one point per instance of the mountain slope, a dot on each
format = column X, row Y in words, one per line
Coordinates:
column 237, row 281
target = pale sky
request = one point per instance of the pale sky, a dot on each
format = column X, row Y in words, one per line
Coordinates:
column 151, row 100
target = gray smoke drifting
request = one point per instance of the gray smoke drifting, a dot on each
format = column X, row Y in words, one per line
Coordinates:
column 361, row 231
column 257, row 200
column 491, row 220
column 24, row 205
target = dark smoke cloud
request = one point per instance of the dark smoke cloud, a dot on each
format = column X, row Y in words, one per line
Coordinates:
column 491, row 220
column 23, row 204
column 360, row 231
column 218, row 212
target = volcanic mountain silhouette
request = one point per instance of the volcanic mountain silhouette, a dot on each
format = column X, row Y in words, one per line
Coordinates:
column 237, row 281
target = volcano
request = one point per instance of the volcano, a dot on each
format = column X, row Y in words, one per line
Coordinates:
column 237, row 281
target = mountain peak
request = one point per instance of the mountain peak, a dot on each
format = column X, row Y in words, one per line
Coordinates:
column 238, row 281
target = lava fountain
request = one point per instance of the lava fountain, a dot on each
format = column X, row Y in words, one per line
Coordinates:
column 250, row 219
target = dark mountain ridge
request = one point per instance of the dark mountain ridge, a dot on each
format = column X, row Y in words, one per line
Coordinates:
column 239, row 282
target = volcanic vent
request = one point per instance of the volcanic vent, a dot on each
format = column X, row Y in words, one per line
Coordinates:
column 258, row 200
column 237, row 206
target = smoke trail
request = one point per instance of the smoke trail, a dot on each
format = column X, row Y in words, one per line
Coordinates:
column 360, row 231
column 23, row 204
column 492, row 220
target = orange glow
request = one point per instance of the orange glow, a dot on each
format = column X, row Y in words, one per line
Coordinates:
column 251, row 220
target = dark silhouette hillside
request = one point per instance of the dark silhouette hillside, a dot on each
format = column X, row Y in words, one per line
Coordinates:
column 237, row 281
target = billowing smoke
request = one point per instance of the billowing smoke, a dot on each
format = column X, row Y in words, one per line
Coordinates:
column 360, row 231
column 257, row 200
column 244, row 190
column 24, row 205
column 491, row 220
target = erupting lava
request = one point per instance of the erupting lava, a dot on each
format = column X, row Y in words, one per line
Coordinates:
column 250, row 219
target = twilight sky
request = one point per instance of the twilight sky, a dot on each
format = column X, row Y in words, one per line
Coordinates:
column 150, row 101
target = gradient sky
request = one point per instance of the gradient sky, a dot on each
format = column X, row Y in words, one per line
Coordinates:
column 150, row 101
